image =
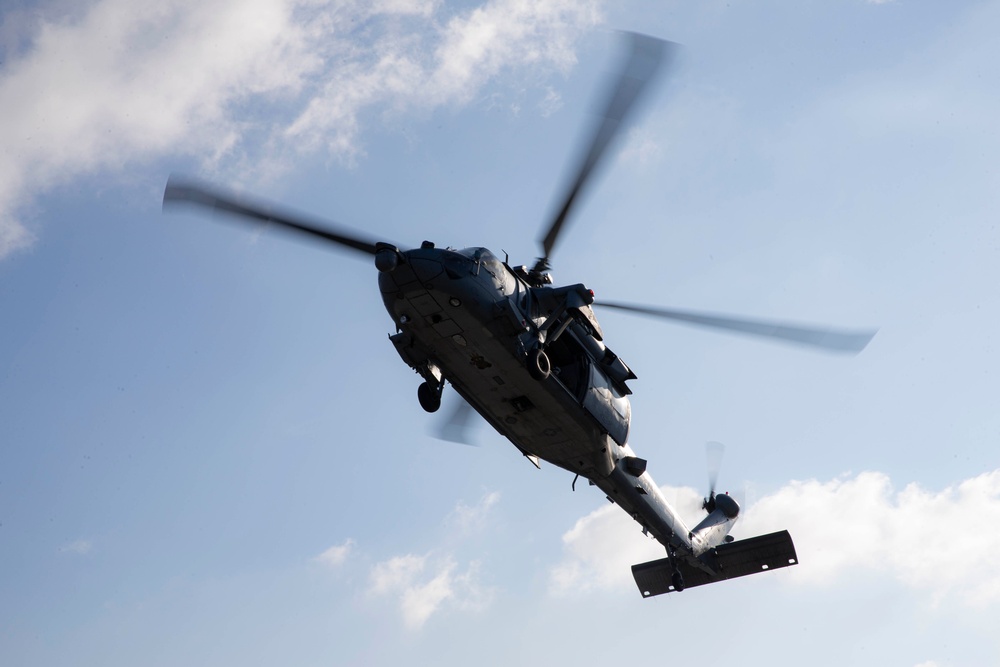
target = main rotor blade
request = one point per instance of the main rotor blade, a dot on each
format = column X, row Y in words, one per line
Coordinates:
column 646, row 54
column 458, row 428
column 824, row 338
column 180, row 191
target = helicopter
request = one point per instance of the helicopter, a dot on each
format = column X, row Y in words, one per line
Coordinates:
column 531, row 359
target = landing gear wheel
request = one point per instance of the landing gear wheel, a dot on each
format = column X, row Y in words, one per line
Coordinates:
column 677, row 579
column 539, row 365
column 429, row 397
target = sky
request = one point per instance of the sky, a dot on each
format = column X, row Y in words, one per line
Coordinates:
column 211, row 454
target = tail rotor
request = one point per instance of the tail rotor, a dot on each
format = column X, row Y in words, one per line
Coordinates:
column 713, row 457
column 714, row 452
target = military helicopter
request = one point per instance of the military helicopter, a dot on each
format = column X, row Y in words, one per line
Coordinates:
column 531, row 359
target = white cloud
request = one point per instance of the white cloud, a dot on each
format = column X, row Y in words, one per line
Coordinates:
column 423, row 584
column 120, row 83
column 448, row 65
column 418, row 7
column 942, row 543
column 336, row 555
column 396, row 572
column 602, row 546
column 641, row 148
column 551, row 103
column 468, row 518
column 419, row 601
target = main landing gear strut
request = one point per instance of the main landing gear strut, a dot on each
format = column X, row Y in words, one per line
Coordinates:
column 676, row 579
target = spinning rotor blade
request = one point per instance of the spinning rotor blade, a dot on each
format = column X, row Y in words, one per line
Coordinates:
column 826, row 339
column 713, row 459
column 646, row 54
column 458, row 427
column 179, row 191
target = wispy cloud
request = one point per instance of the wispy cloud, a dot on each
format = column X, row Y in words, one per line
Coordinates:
column 336, row 555
column 424, row 584
column 79, row 547
column 425, row 66
column 469, row 518
column 937, row 542
column 118, row 84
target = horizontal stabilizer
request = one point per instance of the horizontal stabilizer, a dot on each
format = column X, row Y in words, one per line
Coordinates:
column 726, row 561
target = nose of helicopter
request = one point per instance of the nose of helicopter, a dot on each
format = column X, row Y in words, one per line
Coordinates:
column 426, row 269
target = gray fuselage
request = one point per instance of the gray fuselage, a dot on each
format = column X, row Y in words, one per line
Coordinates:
column 466, row 317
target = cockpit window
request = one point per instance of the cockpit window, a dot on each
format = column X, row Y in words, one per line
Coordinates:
column 474, row 253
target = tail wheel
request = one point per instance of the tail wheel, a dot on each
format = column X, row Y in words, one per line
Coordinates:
column 539, row 366
column 429, row 397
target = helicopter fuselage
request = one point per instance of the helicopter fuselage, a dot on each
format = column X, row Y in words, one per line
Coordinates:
column 466, row 318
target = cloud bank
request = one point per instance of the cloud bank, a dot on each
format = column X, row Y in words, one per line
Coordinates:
column 939, row 542
column 117, row 83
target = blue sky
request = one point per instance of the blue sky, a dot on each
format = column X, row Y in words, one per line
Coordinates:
column 210, row 454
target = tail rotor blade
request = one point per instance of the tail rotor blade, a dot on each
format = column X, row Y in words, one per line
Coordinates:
column 714, row 452
column 832, row 340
